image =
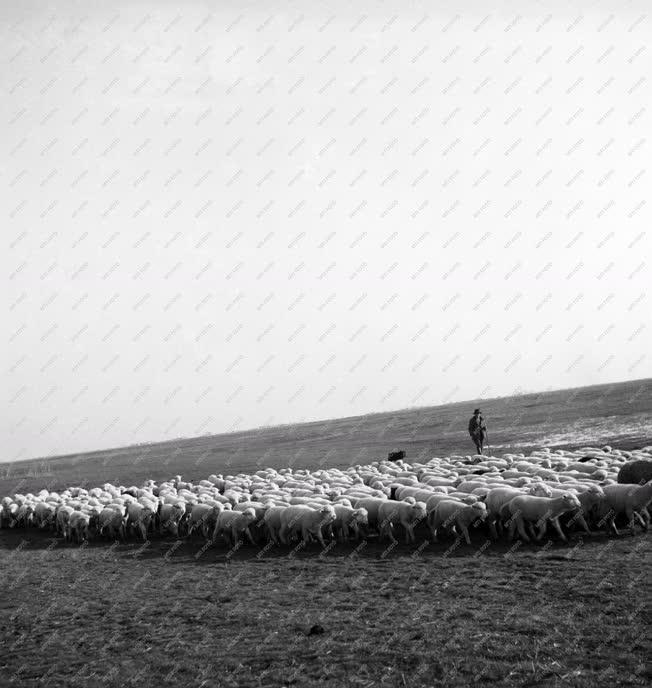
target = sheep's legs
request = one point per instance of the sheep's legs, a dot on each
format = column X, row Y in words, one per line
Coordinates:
column 431, row 526
column 512, row 530
column 409, row 534
column 631, row 517
column 384, row 528
column 582, row 523
column 305, row 534
column 557, row 525
column 465, row 532
column 521, row 529
column 492, row 530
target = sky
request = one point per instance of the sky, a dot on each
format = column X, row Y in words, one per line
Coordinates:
column 225, row 215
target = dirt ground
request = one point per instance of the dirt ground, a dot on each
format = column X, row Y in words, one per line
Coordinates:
column 358, row 615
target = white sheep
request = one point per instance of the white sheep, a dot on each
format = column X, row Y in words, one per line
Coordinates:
column 233, row 524
column 631, row 500
column 406, row 513
column 79, row 525
column 63, row 520
column 348, row 519
column 169, row 517
column 309, row 522
column 140, row 517
column 539, row 511
column 456, row 515
column 111, row 521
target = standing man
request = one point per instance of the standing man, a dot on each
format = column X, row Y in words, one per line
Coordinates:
column 477, row 430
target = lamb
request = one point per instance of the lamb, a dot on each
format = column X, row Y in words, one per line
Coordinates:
column 456, row 514
column 140, row 517
column 433, row 500
column 631, row 500
column 418, row 494
column 441, row 482
column 8, row 510
column 539, row 510
column 307, row 520
column 404, row 513
column 499, row 497
column 63, row 520
column 80, row 525
column 44, row 514
column 111, row 521
column 257, row 527
column 204, row 516
column 232, row 524
column 346, row 517
column 170, row 516
column 469, row 485
column 272, row 521
column 589, row 498
column 371, row 505
column 24, row 515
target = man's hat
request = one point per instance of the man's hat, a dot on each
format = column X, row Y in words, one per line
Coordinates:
column 476, row 411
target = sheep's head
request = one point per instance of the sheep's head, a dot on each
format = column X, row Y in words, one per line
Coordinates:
column 361, row 516
column 481, row 509
column 540, row 490
column 571, row 501
column 419, row 511
column 596, row 493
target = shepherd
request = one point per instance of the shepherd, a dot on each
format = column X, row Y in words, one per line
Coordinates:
column 478, row 430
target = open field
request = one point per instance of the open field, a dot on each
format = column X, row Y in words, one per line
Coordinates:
column 178, row 613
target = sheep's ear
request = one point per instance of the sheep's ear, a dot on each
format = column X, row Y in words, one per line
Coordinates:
column 482, row 498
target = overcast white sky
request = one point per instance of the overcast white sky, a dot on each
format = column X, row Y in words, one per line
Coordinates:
column 220, row 215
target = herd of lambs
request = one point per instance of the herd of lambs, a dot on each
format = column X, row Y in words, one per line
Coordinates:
column 510, row 496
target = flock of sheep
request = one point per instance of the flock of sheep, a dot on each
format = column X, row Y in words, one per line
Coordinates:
column 509, row 496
